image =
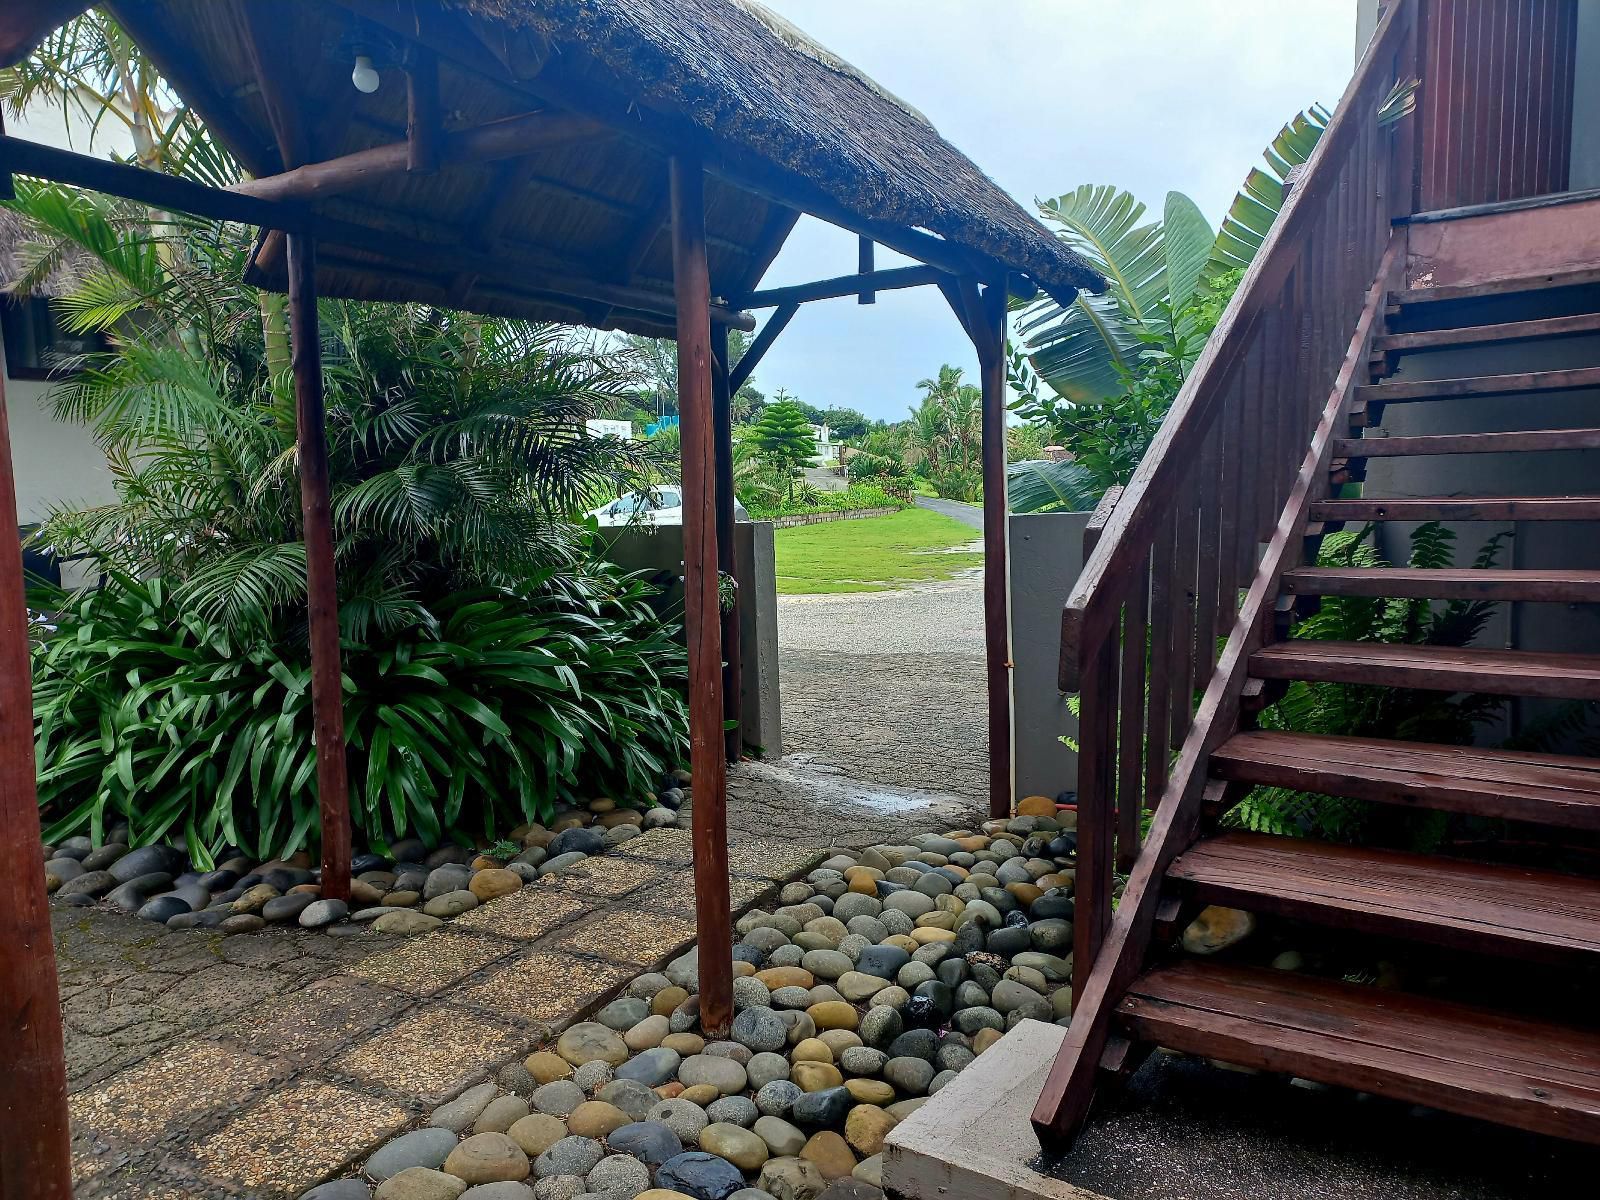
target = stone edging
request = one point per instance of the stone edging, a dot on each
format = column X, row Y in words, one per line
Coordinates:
column 822, row 518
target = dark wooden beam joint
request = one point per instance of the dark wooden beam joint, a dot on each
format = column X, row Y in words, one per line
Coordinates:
column 844, row 285
column 423, row 118
column 864, row 267
column 23, row 26
column 756, row 351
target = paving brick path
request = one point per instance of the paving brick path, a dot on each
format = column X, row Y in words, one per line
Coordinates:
column 258, row 1065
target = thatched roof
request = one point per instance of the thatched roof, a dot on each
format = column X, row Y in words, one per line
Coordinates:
column 65, row 273
column 574, row 229
column 753, row 80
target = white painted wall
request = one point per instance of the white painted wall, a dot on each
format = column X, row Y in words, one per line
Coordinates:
column 57, row 463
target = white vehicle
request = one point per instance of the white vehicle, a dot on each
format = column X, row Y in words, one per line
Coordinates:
column 654, row 506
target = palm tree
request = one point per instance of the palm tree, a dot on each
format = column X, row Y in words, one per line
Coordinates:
column 457, row 445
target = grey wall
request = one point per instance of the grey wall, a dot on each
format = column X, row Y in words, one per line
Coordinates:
column 660, row 548
column 1586, row 100
column 1046, row 556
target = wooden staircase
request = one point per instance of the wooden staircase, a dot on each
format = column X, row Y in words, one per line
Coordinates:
column 1181, row 630
column 1535, row 1074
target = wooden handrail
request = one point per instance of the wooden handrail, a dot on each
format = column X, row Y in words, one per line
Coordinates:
column 1089, row 609
column 1177, row 591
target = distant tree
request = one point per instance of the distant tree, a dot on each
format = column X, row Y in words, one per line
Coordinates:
column 846, row 422
column 655, row 363
column 783, row 440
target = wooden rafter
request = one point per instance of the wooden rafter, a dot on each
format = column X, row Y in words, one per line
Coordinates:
column 512, row 137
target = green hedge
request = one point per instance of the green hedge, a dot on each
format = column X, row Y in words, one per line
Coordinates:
column 857, row 495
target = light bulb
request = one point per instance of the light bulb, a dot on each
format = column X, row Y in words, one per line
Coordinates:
column 365, row 76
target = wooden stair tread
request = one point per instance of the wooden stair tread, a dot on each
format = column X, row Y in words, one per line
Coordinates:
column 1521, row 441
column 1436, row 668
column 1452, row 902
column 1479, row 385
column 1534, row 1075
column 1449, row 583
column 1550, row 789
column 1455, row 337
column 1450, row 293
column 1461, row 508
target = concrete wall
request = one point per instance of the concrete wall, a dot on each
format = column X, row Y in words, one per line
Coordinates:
column 1046, row 556
column 660, row 548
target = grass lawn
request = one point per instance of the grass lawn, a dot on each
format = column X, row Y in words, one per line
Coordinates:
column 873, row 554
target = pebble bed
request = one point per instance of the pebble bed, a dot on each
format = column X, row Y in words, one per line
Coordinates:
column 865, row 990
column 408, row 890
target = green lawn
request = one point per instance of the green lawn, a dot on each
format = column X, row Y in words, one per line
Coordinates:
column 873, row 554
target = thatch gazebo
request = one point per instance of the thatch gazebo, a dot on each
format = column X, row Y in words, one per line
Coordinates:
column 621, row 164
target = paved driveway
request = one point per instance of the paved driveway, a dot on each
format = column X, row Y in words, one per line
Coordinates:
column 888, row 687
column 968, row 514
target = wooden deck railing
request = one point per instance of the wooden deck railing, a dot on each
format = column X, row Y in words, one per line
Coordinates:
column 1145, row 625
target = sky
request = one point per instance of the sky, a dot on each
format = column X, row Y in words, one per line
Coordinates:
column 1045, row 95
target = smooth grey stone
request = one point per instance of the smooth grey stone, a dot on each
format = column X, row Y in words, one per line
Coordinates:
column 146, row 860
column 163, row 908
column 652, row 1067
column 89, row 884
column 775, row 1099
column 419, row 1148
column 339, row 1189
column 826, row 1108
column 650, row 1142
column 909, row 1075
column 572, row 1155
column 631, row 1096
column 734, row 1110
column 323, row 912
column 287, row 908
column 701, row 1175
column 131, row 896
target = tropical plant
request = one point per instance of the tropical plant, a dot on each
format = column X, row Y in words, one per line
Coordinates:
column 1360, row 710
column 944, row 437
column 1130, row 349
column 147, row 713
column 782, row 440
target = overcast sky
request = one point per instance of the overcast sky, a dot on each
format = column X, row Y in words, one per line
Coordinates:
column 1044, row 95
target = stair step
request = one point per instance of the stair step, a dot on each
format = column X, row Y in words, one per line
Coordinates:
column 1450, row 902
column 1468, row 443
column 1479, row 385
column 1419, row 297
column 1453, row 508
column 1485, row 335
column 1534, row 1075
column 1451, row 583
column 1547, row 789
column 1435, row 668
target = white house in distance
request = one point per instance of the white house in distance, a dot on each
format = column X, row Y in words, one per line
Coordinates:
column 827, row 450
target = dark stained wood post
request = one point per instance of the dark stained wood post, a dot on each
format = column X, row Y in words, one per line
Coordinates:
column 989, row 336
column 692, row 286
column 35, row 1145
column 727, row 547
column 327, row 699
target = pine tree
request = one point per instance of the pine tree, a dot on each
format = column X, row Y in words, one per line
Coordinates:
column 783, row 439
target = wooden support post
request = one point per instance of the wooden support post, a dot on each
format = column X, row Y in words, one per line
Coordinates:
column 727, row 547
column 692, row 286
column 864, row 258
column 989, row 320
column 422, row 113
column 327, row 699
column 35, row 1145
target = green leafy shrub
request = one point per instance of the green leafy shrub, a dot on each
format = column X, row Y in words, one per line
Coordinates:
column 1362, row 710
column 509, row 700
column 857, row 495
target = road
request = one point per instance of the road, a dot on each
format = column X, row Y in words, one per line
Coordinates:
column 967, row 514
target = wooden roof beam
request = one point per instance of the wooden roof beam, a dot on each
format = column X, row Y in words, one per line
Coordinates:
column 24, row 25
column 512, row 137
column 889, row 280
column 263, row 44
